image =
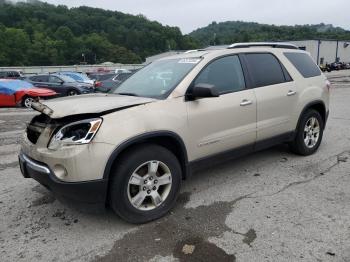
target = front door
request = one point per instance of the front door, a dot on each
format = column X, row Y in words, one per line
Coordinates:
column 56, row 84
column 222, row 123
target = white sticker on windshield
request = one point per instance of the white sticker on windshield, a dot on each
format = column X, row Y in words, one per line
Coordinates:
column 189, row 61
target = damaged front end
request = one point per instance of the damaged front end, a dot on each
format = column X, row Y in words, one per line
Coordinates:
column 60, row 127
column 49, row 155
column 40, row 107
column 70, row 129
column 62, row 149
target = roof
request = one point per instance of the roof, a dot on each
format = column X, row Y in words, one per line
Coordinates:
column 235, row 48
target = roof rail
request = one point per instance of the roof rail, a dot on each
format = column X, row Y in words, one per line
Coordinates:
column 194, row 50
column 263, row 44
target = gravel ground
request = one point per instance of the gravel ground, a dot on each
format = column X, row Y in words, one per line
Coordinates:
column 268, row 206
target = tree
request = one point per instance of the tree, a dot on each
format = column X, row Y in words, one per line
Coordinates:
column 14, row 43
column 59, row 35
column 237, row 31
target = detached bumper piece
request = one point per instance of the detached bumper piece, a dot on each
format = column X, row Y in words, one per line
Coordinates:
column 87, row 192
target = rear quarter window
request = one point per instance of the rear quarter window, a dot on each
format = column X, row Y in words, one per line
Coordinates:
column 39, row 78
column 304, row 64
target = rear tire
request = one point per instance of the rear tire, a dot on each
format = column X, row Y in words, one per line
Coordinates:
column 309, row 134
column 72, row 92
column 145, row 183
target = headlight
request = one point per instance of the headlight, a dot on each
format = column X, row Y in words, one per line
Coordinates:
column 77, row 133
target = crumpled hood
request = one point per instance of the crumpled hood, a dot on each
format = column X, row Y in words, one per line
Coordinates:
column 88, row 104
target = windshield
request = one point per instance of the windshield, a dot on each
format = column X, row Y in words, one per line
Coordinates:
column 158, row 79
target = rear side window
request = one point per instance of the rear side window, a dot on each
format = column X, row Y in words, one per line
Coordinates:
column 14, row 74
column 39, row 78
column 54, row 79
column 304, row 64
column 34, row 78
column 225, row 74
column 265, row 69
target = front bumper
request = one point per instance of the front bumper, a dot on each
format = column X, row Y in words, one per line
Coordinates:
column 90, row 192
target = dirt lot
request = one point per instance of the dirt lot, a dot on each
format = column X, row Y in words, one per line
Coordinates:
column 269, row 206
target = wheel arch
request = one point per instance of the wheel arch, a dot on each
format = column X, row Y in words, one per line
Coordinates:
column 23, row 98
column 317, row 105
column 167, row 139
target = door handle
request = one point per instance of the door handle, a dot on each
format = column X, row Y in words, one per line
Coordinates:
column 291, row 93
column 246, row 102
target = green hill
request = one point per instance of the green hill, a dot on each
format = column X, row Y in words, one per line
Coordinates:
column 38, row 33
column 237, row 31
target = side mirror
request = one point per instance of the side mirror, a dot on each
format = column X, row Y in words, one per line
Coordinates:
column 202, row 90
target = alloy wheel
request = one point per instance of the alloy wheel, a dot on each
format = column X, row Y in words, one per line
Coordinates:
column 149, row 185
column 28, row 102
column 311, row 132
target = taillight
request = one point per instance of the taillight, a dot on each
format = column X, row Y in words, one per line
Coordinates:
column 98, row 84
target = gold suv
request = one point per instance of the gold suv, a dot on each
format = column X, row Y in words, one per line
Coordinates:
column 131, row 149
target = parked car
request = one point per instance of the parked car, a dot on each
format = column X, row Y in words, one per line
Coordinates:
column 79, row 77
column 21, row 93
column 112, row 82
column 62, row 84
column 101, row 76
column 335, row 66
column 11, row 74
column 122, row 70
column 131, row 149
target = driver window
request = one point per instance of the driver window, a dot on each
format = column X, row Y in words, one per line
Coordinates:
column 225, row 74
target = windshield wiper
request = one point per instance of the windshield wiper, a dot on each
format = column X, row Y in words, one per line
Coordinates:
column 127, row 94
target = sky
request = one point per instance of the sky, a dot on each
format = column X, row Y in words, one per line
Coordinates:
column 192, row 14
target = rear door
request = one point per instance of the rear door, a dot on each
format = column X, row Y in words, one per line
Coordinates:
column 40, row 80
column 222, row 123
column 276, row 94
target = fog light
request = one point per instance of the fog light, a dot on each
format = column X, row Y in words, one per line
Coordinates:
column 60, row 171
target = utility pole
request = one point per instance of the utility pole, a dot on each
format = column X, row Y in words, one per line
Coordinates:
column 318, row 52
column 336, row 52
column 83, row 55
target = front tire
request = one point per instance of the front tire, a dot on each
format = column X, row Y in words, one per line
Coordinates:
column 145, row 183
column 27, row 101
column 309, row 134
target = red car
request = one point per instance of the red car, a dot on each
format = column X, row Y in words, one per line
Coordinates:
column 21, row 93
